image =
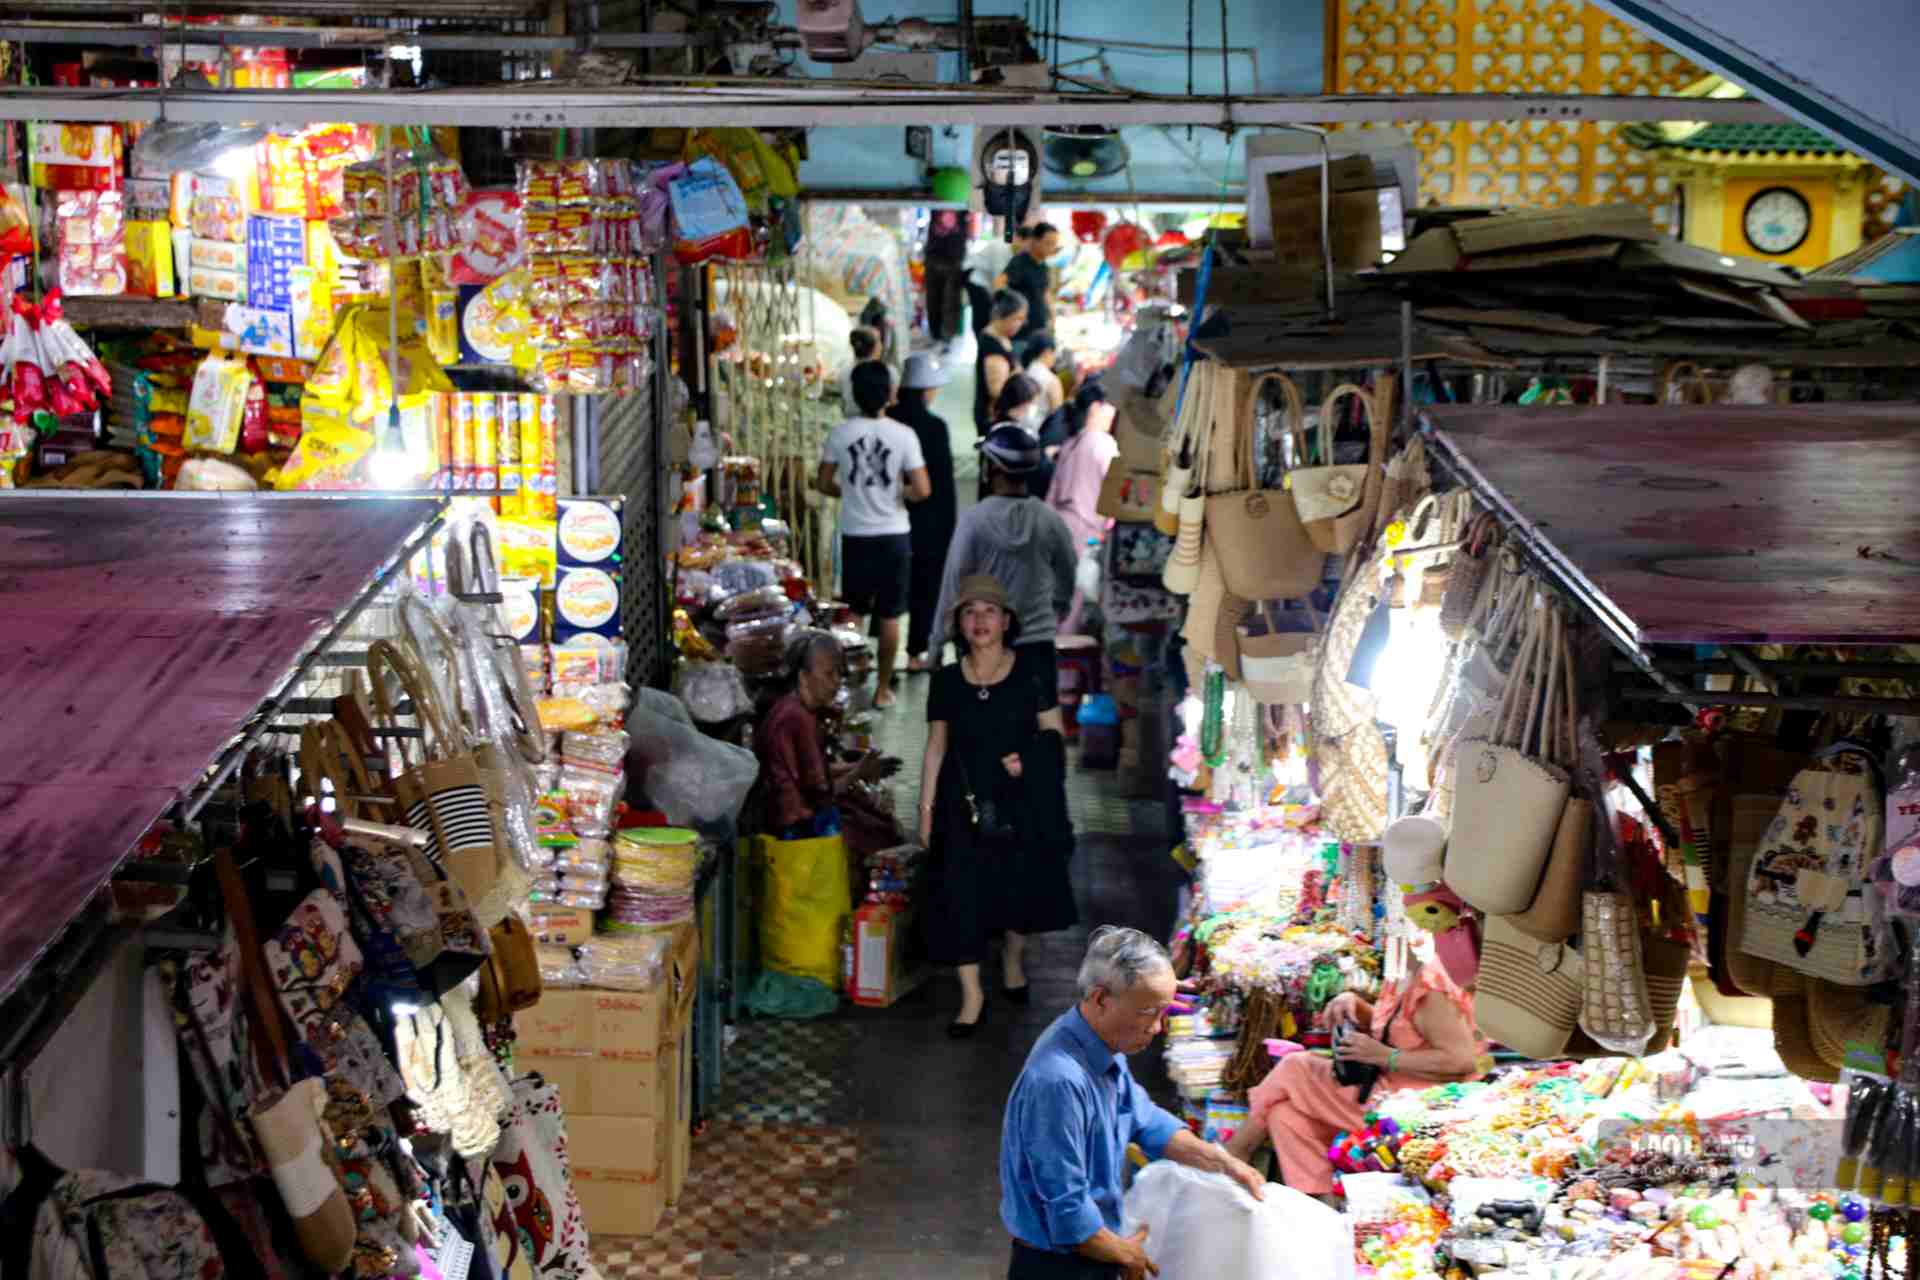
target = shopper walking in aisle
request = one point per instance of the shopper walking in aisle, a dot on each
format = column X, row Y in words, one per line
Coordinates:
column 945, row 257
column 874, row 466
column 1023, row 404
column 934, row 519
column 865, row 344
column 994, row 363
column 986, row 265
column 1075, row 1108
column 1017, row 540
column 993, row 800
column 1420, row 1033
column 1028, row 276
column 1078, row 475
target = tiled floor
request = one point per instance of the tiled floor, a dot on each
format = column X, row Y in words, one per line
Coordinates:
column 866, row 1146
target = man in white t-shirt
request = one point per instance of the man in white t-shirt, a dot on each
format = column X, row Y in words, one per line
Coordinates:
column 875, row 467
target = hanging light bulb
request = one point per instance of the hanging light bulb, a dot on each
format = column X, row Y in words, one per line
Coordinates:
column 392, row 464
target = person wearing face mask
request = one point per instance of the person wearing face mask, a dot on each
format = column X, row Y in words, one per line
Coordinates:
column 1018, row 540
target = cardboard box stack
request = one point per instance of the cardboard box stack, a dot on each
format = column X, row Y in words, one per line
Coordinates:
column 622, row 1061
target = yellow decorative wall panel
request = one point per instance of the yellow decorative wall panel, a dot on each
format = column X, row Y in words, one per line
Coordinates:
column 1510, row 46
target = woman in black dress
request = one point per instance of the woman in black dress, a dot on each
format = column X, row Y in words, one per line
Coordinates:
column 993, row 801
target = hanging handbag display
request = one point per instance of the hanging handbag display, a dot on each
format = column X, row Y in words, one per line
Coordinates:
column 1139, row 428
column 1264, row 548
column 1511, row 789
column 1353, row 784
column 1338, row 706
column 1277, row 665
column 1554, row 913
column 1330, row 498
column 1616, row 1008
column 452, row 792
column 510, row 980
column 1529, row 992
column 1185, row 445
column 1213, row 616
column 1471, row 565
column 1808, row 906
column 1182, row 573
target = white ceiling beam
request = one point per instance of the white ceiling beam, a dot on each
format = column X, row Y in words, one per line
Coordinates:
column 784, row 105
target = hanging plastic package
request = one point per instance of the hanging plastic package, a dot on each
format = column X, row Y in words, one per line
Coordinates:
column 1205, row 1224
column 709, row 214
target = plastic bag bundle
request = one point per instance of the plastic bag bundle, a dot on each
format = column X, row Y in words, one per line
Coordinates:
column 692, row 778
column 631, row 962
column 587, row 854
column 1204, row 1226
column 714, row 692
column 592, row 795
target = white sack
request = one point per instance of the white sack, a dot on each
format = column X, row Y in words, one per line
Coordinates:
column 1205, row 1226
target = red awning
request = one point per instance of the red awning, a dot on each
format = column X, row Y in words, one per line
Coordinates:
column 137, row 633
column 1718, row 525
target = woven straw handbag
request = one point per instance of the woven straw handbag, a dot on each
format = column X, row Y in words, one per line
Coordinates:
column 1264, row 548
column 1353, row 781
column 1340, row 707
column 1527, row 996
column 1510, row 789
column 1331, row 499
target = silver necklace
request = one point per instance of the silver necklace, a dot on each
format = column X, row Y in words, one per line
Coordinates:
column 986, row 691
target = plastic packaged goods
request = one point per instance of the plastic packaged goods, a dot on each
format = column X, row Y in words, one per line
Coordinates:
column 628, row 911
column 585, row 854
column 656, row 859
column 217, row 403
column 604, row 748
column 758, row 645
column 732, row 577
column 92, row 250
column 759, row 602
column 559, row 967
column 631, row 962
column 592, row 795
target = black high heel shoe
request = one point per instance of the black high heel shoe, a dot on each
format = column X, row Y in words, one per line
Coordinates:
column 965, row 1030
column 1021, row 995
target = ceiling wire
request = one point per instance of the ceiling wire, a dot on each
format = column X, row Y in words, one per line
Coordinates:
column 1190, row 4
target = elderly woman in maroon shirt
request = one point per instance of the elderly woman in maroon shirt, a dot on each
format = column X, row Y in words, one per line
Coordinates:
column 802, row 787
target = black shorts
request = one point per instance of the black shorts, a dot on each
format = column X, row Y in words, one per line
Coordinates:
column 874, row 573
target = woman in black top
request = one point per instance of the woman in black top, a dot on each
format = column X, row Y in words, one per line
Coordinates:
column 995, row 363
column 993, row 802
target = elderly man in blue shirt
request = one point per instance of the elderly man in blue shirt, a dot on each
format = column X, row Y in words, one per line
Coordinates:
column 1074, row 1110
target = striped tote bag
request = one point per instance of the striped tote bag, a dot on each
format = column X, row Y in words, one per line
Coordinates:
column 453, row 793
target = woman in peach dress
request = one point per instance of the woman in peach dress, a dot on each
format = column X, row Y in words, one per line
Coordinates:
column 1422, row 1035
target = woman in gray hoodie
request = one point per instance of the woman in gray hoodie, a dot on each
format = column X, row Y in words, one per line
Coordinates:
column 1016, row 539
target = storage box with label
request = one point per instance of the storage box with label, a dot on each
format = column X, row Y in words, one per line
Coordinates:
column 614, row 1053
column 209, row 282
column 586, row 601
column 275, row 247
column 884, row 965
column 1352, row 214
column 261, row 331
column 590, row 531
column 622, row 1167
column 560, row 926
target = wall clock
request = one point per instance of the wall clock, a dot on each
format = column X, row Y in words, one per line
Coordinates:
column 1777, row 220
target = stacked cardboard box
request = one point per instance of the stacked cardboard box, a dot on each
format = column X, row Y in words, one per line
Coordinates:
column 622, row 1061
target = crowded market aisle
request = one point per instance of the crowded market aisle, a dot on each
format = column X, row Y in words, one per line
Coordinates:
column 866, row 1145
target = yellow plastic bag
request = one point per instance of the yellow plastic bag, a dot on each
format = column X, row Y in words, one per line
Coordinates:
column 807, row 898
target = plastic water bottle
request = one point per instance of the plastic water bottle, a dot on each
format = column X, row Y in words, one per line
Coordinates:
column 1086, row 578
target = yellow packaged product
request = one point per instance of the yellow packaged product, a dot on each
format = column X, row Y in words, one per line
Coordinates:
column 527, row 549
column 217, row 404
column 330, row 450
column 150, row 259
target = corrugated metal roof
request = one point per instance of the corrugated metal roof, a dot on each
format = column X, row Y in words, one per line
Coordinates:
column 1753, row 139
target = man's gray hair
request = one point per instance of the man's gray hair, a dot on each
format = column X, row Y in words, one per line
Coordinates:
column 1117, row 958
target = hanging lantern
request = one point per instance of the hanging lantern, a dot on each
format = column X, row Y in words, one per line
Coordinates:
column 1171, row 239
column 1122, row 243
column 1088, row 224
